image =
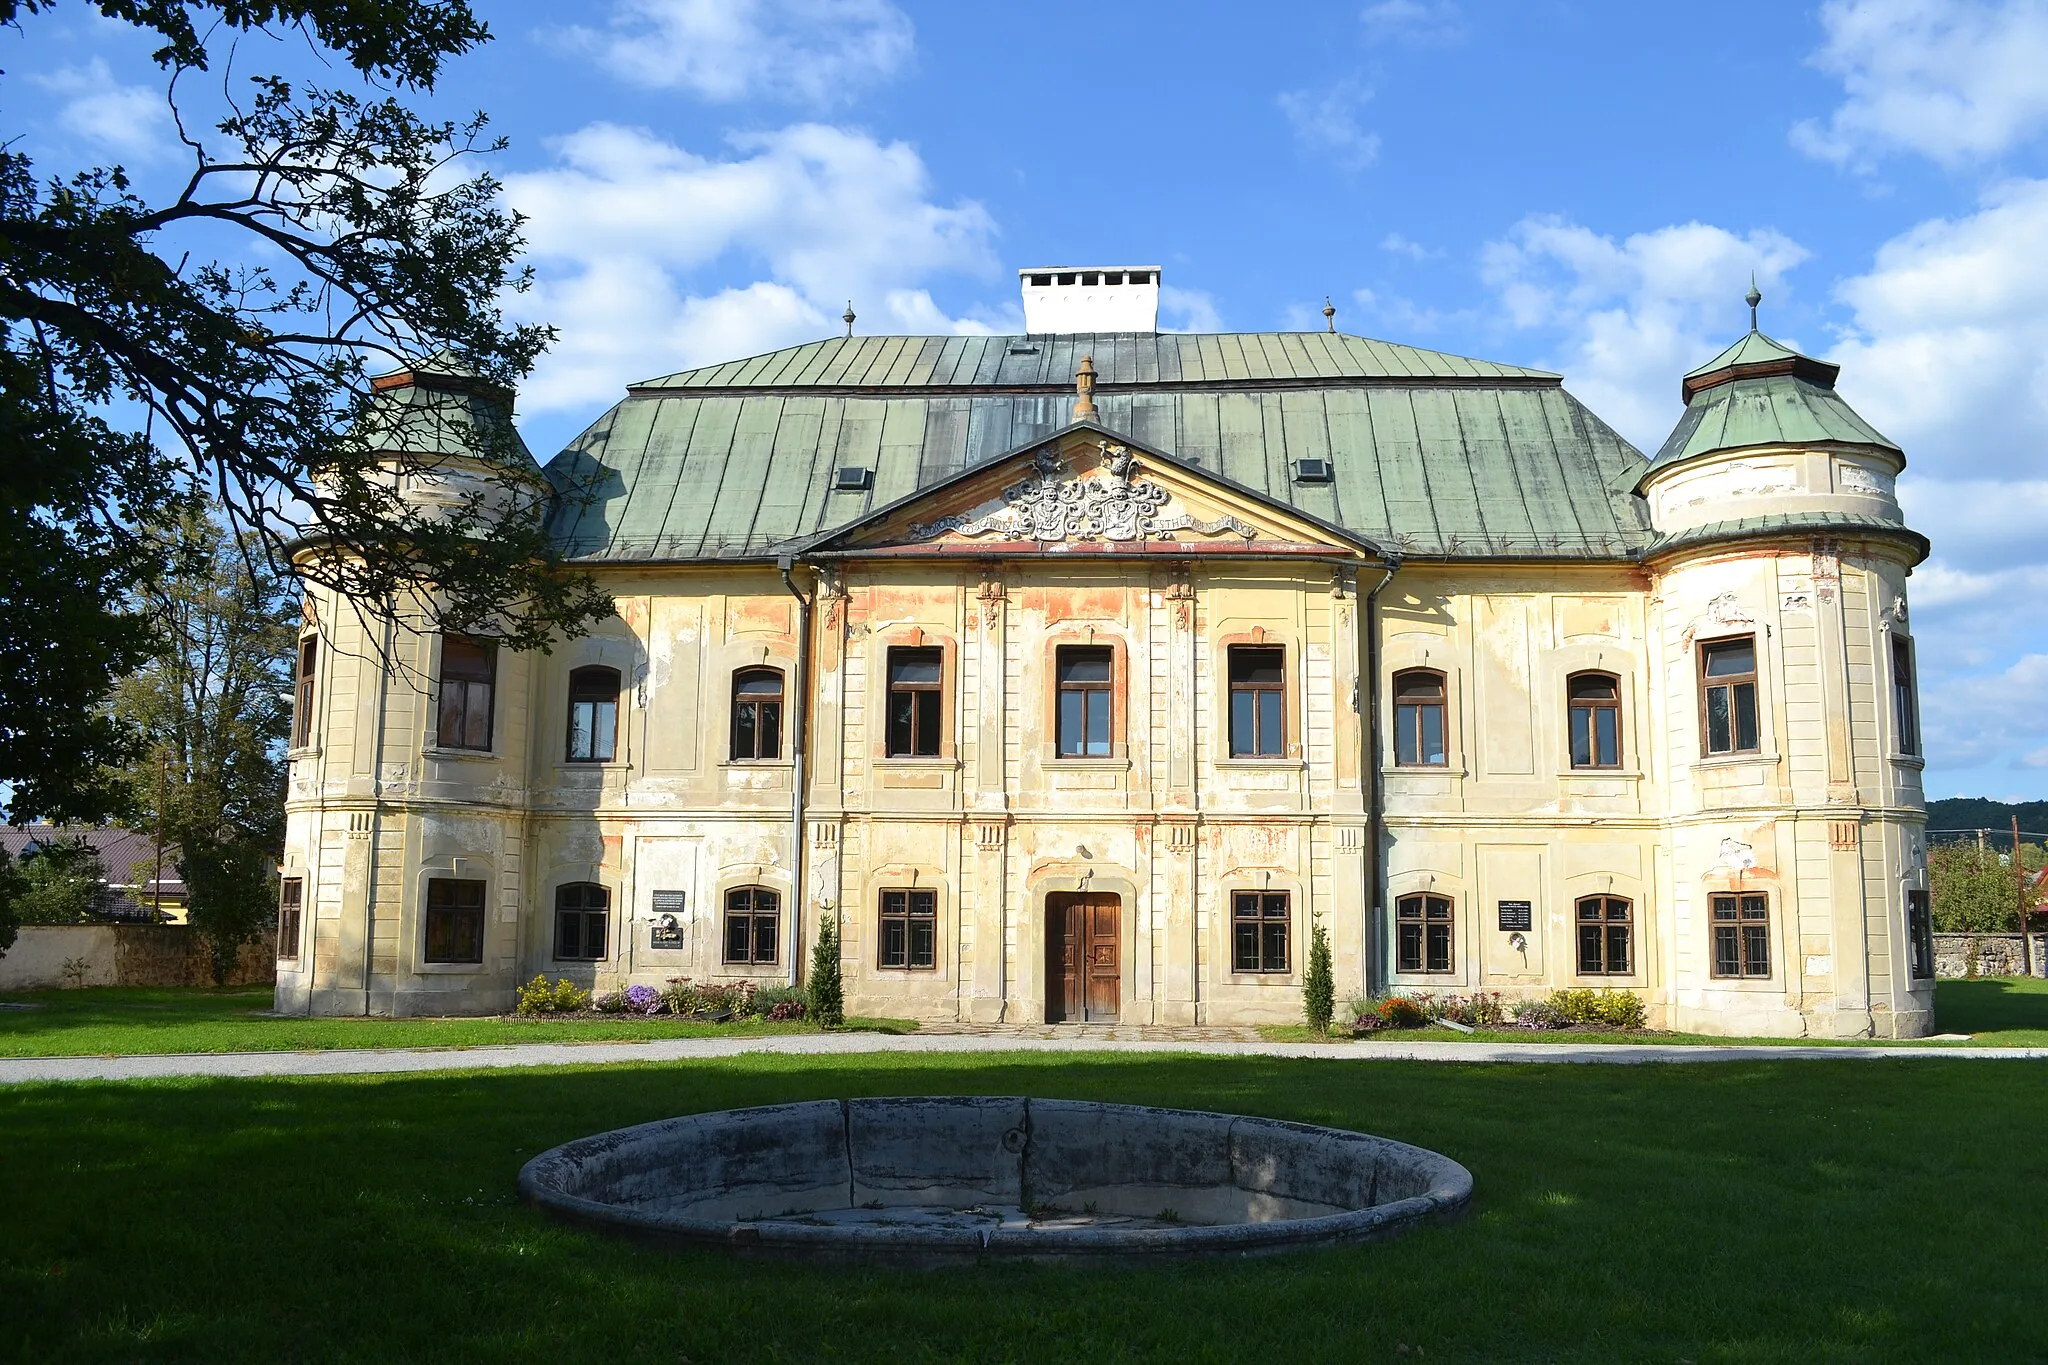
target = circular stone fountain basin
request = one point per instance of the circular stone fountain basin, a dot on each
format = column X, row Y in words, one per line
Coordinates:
column 970, row 1176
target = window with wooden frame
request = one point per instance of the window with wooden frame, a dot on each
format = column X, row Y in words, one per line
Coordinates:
column 469, row 676
column 583, row 913
column 1258, row 931
column 752, row 915
column 1728, row 714
column 909, row 921
column 302, row 691
column 593, row 714
column 1919, row 936
column 1606, row 936
column 916, row 682
column 1423, row 933
column 1905, row 707
column 1594, row 700
column 1742, row 933
column 454, row 920
column 1258, row 701
column 756, row 715
column 1419, row 719
column 290, row 908
column 1082, row 676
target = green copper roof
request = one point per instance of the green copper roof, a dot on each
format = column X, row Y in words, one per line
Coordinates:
column 1432, row 455
column 1754, row 349
column 1784, row 523
column 439, row 407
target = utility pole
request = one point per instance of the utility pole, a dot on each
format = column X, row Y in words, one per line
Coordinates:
column 2019, row 875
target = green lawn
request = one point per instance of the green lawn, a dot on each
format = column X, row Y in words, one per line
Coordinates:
column 1744, row 1212
column 126, row 1020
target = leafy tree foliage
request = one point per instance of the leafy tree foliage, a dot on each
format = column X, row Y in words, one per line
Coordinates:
column 64, row 883
column 222, row 338
column 1972, row 892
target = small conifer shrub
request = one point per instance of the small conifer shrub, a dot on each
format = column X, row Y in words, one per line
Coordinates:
column 827, row 1005
column 1318, row 987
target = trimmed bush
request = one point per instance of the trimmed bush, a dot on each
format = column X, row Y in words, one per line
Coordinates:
column 1318, row 987
column 564, row 997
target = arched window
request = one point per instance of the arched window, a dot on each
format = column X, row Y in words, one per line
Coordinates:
column 1606, row 936
column 751, row 919
column 583, row 912
column 1422, row 932
column 593, row 714
column 756, row 714
column 1419, row 719
column 1595, row 700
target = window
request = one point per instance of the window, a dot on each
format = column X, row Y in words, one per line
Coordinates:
column 1081, row 726
column 1258, row 931
column 756, row 715
column 1604, row 936
column 910, row 928
column 914, row 702
column 750, row 921
column 469, row 672
column 455, row 920
column 1742, row 934
column 1258, row 681
column 1728, row 695
column 583, row 912
column 1920, row 935
column 593, row 714
column 302, row 700
column 289, row 905
column 1596, row 719
column 1422, row 934
column 1419, row 719
column 1905, row 714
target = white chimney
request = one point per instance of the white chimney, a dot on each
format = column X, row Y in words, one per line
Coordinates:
column 1095, row 298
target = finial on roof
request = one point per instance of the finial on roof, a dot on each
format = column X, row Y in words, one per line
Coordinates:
column 1329, row 314
column 1084, row 388
column 847, row 317
column 1754, row 297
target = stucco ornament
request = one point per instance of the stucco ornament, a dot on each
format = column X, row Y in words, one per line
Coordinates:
column 1725, row 610
column 1052, row 505
column 1736, row 856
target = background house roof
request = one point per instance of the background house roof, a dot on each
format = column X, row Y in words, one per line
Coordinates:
column 1433, row 455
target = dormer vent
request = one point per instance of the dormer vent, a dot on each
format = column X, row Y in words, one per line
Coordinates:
column 1313, row 469
column 1114, row 298
column 851, row 478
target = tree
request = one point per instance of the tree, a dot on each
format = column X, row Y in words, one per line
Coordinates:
column 221, row 338
column 1318, row 985
column 825, row 993
column 1975, row 892
column 12, row 884
column 62, row 883
column 213, row 706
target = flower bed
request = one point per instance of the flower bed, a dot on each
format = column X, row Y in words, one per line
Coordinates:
column 1592, row 1010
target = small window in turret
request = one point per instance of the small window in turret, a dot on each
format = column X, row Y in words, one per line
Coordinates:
column 1728, row 711
column 1905, row 707
column 469, row 675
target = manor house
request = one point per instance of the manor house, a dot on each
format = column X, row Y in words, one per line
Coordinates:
column 1078, row 675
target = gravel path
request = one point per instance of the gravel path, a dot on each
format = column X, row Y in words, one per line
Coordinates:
column 392, row 1060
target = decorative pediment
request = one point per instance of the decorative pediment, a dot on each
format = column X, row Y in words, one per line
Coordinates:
column 1056, row 502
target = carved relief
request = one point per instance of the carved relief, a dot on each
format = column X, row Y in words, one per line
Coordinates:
column 1726, row 610
column 1180, row 591
column 1052, row 505
column 991, row 596
column 1857, row 479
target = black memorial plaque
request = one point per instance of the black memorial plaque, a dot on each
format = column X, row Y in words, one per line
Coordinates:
column 1517, row 916
column 668, row 920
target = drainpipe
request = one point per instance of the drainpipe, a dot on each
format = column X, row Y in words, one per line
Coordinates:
column 799, row 697
column 1375, row 954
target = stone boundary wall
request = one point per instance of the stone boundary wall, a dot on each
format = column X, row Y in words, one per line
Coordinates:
column 1996, row 954
column 124, row 955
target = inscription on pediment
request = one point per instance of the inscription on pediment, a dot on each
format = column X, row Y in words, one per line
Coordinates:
column 1113, row 504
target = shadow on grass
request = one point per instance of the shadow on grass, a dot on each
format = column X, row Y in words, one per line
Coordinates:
column 1987, row 1004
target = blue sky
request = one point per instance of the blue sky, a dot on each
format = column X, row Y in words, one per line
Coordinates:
column 1583, row 186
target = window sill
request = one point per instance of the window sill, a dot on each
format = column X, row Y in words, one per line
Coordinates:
column 1090, row 763
column 1914, row 761
column 1424, row 770
column 1260, row 764
column 1632, row 774
column 304, row 751
column 577, row 766
column 759, row 764
column 449, row 968
column 906, row 762
column 435, row 751
column 1761, row 759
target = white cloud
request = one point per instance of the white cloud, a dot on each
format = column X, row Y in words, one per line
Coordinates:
column 1998, row 718
column 127, row 120
column 1631, row 316
column 1954, row 80
column 1395, row 244
column 623, row 225
column 1413, row 21
column 1326, row 122
column 813, row 52
column 1192, row 309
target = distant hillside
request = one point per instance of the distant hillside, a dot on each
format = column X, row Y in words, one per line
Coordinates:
column 1975, row 812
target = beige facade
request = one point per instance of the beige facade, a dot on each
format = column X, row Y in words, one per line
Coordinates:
column 1199, row 842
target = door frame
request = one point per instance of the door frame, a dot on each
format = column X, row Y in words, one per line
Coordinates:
column 1031, row 978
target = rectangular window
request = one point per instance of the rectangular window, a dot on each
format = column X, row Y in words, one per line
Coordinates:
column 302, row 694
column 1081, row 727
column 914, row 698
column 1920, row 935
column 756, row 715
column 289, row 908
column 455, row 920
column 1905, row 712
column 1258, row 931
column 1419, row 719
column 1595, row 720
column 1742, row 934
column 751, row 917
column 593, row 715
column 1728, row 696
column 1258, row 683
column 583, row 912
column 1605, row 936
column 1422, row 934
column 469, row 674
column 910, row 928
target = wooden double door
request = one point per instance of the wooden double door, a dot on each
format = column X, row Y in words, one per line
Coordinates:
column 1084, row 957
